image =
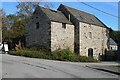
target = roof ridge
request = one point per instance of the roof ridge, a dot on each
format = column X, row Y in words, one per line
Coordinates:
column 55, row 15
column 78, row 10
column 48, row 8
column 83, row 16
column 57, row 11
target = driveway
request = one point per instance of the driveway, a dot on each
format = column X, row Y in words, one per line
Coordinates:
column 22, row 67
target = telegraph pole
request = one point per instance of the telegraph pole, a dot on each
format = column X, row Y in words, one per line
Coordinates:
column 0, row 35
column 0, row 40
column 0, row 32
column 0, row 29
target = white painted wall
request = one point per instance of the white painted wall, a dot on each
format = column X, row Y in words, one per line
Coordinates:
column 113, row 47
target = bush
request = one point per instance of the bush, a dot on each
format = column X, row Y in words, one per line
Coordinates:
column 61, row 55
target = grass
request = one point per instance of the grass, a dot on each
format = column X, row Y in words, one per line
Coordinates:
column 61, row 55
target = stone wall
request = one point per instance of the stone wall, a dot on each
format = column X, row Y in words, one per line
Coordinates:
column 94, row 37
column 75, row 22
column 62, row 38
column 38, row 36
column 78, row 37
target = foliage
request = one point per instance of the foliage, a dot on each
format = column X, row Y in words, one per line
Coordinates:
column 14, row 24
column 48, row 5
column 61, row 55
column 18, row 29
column 26, row 9
column 8, row 22
column 115, row 35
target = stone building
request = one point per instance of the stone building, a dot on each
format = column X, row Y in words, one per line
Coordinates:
column 50, row 29
column 112, row 45
column 65, row 28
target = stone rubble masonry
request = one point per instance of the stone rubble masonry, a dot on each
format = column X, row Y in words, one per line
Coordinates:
column 51, row 35
column 62, row 38
column 98, row 42
column 38, row 36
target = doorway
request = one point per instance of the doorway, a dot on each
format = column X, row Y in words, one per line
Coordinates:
column 90, row 52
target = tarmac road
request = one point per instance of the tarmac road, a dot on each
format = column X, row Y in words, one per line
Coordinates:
column 22, row 67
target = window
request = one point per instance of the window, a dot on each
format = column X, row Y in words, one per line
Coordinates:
column 90, row 35
column 37, row 25
column 64, row 25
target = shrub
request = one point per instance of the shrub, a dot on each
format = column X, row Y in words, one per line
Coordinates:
column 62, row 55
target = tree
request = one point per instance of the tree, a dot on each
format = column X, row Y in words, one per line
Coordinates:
column 8, row 22
column 115, row 35
column 26, row 9
column 14, row 24
column 48, row 5
column 18, row 29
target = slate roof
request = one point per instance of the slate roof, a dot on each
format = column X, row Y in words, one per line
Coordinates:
column 56, row 16
column 112, row 42
column 83, row 16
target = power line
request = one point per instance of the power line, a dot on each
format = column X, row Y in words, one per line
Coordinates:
column 100, row 10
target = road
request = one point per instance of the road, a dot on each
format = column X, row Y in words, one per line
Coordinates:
column 21, row 67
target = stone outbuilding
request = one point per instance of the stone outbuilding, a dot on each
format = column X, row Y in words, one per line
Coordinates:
column 50, row 29
column 67, row 27
column 112, row 45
